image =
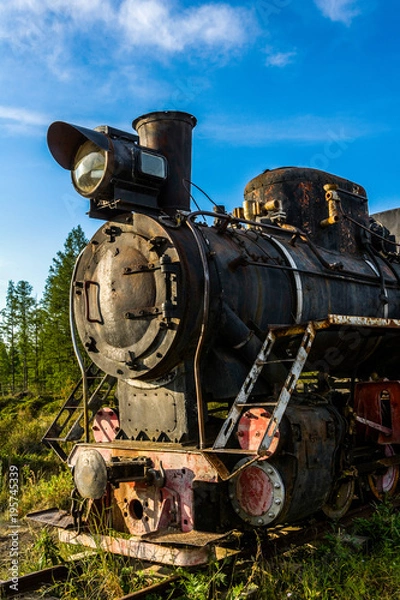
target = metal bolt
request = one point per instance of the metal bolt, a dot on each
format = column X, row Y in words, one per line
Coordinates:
column 277, row 486
column 260, row 522
column 271, row 515
column 278, row 501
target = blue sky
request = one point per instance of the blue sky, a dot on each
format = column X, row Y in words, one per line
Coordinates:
column 271, row 82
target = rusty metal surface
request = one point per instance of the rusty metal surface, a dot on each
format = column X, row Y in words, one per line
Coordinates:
column 33, row 581
column 190, row 538
column 147, row 346
column 141, row 549
column 302, row 198
column 361, row 321
column 54, row 517
column 155, row 588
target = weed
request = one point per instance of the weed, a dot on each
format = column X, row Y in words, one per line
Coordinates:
column 48, row 551
column 101, row 576
column 383, row 527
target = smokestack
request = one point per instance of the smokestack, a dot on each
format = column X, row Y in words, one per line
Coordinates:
column 170, row 134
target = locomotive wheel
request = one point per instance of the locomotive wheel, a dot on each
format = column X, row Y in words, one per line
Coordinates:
column 383, row 484
column 340, row 499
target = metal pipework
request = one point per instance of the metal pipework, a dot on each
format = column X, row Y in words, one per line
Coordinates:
column 333, row 199
column 248, row 210
column 272, row 205
column 170, row 134
column 253, row 209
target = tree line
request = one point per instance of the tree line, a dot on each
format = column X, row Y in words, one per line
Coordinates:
column 36, row 351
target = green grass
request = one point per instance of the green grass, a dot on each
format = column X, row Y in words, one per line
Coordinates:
column 336, row 568
column 22, row 426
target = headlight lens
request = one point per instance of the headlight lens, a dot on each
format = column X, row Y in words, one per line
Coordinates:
column 89, row 167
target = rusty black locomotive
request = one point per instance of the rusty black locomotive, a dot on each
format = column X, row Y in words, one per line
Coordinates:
column 254, row 354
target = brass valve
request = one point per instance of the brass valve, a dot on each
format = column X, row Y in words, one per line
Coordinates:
column 333, row 199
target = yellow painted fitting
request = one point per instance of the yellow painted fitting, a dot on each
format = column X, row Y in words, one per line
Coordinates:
column 238, row 212
column 272, row 205
column 333, row 199
column 248, row 209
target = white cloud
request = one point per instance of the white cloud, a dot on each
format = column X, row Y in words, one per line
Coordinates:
column 43, row 25
column 15, row 120
column 156, row 23
column 22, row 115
column 342, row 11
column 279, row 59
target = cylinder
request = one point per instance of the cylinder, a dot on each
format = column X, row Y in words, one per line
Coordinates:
column 170, row 134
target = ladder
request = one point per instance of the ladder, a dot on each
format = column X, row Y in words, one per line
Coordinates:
column 279, row 407
column 68, row 424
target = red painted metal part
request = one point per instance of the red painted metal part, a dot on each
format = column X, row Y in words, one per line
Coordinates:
column 378, row 402
column 106, row 425
column 138, row 508
column 252, row 427
column 178, row 556
column 385, row 483
column 255, row 491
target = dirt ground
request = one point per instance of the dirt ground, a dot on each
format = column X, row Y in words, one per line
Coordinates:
column 27, row 535
column 17, row 543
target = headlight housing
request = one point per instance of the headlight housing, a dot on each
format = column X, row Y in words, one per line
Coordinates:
column 108, row 166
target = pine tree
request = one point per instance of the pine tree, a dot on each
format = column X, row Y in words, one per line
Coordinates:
column 4, row 368
column 9, row 332
column 59, row 360
column 25, row 304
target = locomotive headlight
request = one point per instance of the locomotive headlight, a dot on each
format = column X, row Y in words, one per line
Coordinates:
column 108, row 166
column 89, row 168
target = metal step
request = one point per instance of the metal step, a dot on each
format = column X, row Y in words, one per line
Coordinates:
column 280, row 405
column 288, row 388
column 257, row 405
column 244, row 393
column 68, row 424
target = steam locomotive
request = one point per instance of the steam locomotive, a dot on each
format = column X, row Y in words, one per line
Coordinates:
column 254, row 353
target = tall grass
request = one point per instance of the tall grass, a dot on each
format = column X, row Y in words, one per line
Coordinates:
column 43, row 480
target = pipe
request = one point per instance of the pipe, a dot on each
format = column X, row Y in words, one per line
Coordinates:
column 78, row 355
column 241, row 339
column 170, row 134
column 200, row 343
column 333, row 199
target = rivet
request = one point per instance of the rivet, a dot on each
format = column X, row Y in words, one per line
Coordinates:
column 271, row 515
